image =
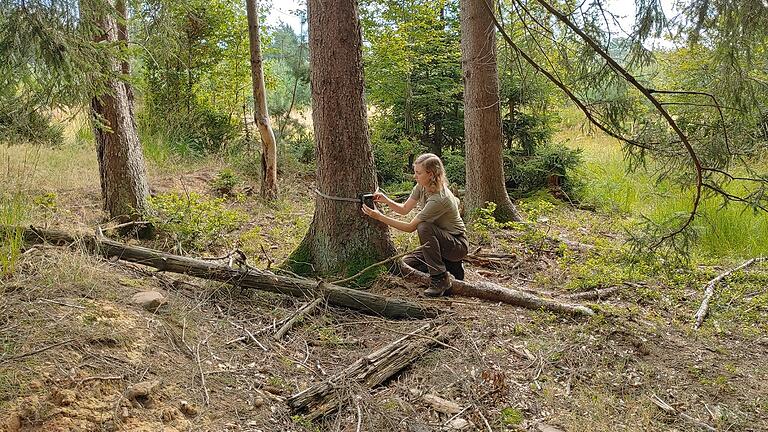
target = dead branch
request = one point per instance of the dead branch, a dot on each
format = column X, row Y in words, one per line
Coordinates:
column 245, row 278
column 497, row 293
column 304, row 310
column 37, row 351
column 370, row 371
column 710, row 289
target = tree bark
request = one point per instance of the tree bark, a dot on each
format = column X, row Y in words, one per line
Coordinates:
column 482, row 115
column 265, row 281
column 341, row 239
column 122, row 171
column 261, row 113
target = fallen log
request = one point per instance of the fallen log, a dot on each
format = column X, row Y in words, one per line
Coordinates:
column 246, row 278
column 709, row 291
column 497, row 293
column 369, row 371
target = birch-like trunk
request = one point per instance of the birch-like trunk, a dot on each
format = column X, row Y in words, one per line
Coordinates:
column 261, row 113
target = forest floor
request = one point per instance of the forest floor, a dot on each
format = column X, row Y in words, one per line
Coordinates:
column 73, row 347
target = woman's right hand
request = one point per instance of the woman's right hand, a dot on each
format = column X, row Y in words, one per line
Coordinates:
column 380, row 198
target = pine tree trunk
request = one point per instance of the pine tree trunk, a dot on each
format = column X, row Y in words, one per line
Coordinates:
column 261, row 113
column 341, row 238
column 123, row 176
column 482, row 115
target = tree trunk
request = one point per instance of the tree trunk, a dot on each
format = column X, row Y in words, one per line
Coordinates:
column 482, row 115
column 341, row 239
column 261, row 114
column 123, row 176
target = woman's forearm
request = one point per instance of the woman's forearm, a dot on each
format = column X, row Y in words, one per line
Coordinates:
column 398, row 224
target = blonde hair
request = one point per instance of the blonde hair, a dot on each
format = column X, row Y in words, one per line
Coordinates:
column 434, row 166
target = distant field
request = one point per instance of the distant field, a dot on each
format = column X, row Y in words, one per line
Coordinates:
column 733, row 231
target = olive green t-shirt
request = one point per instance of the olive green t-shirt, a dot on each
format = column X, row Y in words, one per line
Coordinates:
column 440, row 208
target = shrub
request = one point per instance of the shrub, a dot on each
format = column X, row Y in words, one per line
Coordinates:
column 455, row 167
column 192, row 221
column 527, row 173
column 225, row 182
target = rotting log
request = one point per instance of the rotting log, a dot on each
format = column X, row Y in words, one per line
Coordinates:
column 260, row 280
column 370, row 371
column 497, row 293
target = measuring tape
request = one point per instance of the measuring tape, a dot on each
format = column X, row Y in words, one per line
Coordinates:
column 366, row 198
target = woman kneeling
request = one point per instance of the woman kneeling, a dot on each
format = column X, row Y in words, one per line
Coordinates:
column 441, row 231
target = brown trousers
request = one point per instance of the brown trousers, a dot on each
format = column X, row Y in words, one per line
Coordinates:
column 439, row 246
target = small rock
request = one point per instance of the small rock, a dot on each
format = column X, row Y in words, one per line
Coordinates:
column 458, row 423
column 149, row 300
column 188, row 409
column 125, row 413
column 141, row 390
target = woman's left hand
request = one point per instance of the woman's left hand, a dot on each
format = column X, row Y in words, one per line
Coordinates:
column 371, row 212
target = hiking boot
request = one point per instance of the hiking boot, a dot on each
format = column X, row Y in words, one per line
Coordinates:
column 439, row 285
column 455, row 268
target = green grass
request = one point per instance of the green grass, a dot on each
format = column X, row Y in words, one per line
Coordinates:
column 732, row 231
column 15, row 208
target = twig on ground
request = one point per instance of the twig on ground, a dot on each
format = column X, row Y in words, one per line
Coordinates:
column 480, row 413
column 595, row 294
column 458, row 414
column 361, row 272
column 37, row 351
column 250, row 336
column 304, row 310
column 207, row 398
column 99, row 378
column 61, row 303
column 710, row 289
column 266, row 256
column 359, row 414
column 670, row 410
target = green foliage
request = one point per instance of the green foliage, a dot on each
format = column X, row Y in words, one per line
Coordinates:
column 484, row 223
column 192, row 221
column 528, row 172
column 195, row 73
column 413, row 70
column 390, row 152
column 13, row 211
column 225, row 182
column 20, row 122
column 511, row 416
column 455, row 167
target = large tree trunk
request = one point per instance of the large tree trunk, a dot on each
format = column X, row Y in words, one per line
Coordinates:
column 261, row 114
column 340, row 239
column 124, row 185
column 482, row 115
